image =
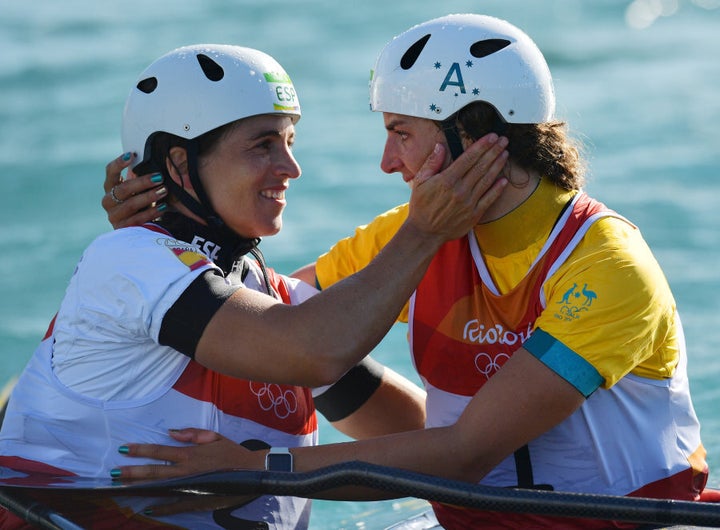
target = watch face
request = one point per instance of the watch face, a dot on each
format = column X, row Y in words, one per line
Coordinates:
column 279, row 462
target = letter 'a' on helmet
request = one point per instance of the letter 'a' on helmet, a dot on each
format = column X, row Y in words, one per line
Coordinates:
column 436, row 68
column 195, row 89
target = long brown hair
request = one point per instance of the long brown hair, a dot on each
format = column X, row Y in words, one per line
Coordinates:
column 546, row 148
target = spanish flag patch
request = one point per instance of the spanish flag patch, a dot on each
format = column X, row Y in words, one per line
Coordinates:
column 194, row 260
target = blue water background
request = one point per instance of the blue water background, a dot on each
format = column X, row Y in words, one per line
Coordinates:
column 640, row 81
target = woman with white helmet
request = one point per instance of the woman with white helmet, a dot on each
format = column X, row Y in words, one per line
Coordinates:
column 548, row 339
column 172, row 323
column 569, row 344
column 557, row 359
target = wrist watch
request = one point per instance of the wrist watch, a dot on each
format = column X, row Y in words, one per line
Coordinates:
column 279, row 459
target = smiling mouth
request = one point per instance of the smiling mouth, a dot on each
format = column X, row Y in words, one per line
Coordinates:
column 273, row 194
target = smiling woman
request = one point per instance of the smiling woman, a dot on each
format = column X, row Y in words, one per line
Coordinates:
column 529, row 312
column 241, row 140
column 179, row 320
column 247, row 173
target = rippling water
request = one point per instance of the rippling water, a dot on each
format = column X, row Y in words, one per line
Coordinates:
column 639, row 80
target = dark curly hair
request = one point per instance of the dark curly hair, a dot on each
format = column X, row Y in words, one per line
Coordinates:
column 545, row 148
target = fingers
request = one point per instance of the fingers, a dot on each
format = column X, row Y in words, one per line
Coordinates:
column 478, row 159
column 124, row 191
column 148, row 472
column 168, row 455
column 479, row 164
column 431, row 166
column 174, row 461
column 135, row 201
column 113, row 171
column 447, row 204
column 482, row 180
column 475, row 175
column 196, row 436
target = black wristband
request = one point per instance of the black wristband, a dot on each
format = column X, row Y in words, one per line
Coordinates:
column 351, row 391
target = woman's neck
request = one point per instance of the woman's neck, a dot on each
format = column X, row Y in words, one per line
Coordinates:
column 526, row 222
column 521, row 185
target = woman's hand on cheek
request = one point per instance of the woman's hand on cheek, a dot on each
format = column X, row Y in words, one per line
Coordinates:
column 450, row 201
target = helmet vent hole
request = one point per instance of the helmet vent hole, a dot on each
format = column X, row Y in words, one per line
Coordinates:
column 212, row 70
column 148, row 85
column 413, row 52
column 483, row 48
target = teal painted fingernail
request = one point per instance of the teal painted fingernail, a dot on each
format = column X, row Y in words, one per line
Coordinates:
column 156, row 178
column 160, row 207
column 115, row 473
column 147, row 511
column 127, row 156
column 123, row 449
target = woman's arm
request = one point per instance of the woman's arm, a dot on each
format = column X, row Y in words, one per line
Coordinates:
column 521, row 401
column 524, row 399
column 316, row 342
column 397, row 405
column 306, row 274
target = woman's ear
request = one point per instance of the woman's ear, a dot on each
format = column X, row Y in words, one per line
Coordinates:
column 177, row 166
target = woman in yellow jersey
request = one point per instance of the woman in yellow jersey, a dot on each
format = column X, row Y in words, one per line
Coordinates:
column 548, row 339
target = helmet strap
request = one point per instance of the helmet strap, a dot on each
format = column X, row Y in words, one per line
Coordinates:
column 216, row 226
column 212, row 218
column 200, row 206
column 452, row 135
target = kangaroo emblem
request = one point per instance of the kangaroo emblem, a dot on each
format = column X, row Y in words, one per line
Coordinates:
column 568, row 294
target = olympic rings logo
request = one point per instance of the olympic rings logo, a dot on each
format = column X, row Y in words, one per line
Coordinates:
column 487, row 365
column 273, row 397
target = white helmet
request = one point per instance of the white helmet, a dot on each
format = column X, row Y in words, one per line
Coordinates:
column 195, row 89
column 436, row 68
